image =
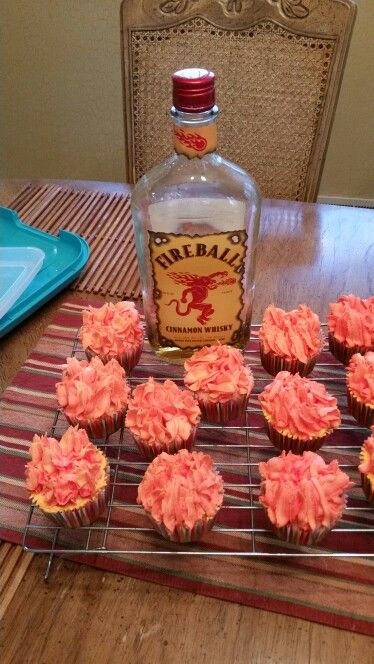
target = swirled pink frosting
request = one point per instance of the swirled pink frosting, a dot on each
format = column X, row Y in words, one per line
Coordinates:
column 351, row 321
column 62, row 473
column 299, row 406
column 218, row 373
column 367, row 455
column 303, row 490
column 181, row 489
column 162, row 412
column 91, row 390
column 111, row 329
column 360, row 377
column 292, row 334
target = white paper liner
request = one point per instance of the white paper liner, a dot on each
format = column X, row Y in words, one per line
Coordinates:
column 295, row 535
column 342, row 352
column 82, row 516
column 274, row 364
column 127, row 360
column 295, row 445
column 361, row 411
column 220, row 413
column 151, row 450
column 101, row 428
column 183, row 534
column 368, row 488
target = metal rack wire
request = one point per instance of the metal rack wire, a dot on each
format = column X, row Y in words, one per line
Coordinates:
column 241, row 528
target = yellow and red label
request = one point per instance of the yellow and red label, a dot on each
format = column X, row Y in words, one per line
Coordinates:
column 195, row 141
column 198, row 287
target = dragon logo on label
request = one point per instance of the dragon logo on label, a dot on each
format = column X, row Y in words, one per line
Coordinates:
column 190, row 139
column 198, row 288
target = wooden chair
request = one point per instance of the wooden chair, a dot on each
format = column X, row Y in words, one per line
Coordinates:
column 279, row 65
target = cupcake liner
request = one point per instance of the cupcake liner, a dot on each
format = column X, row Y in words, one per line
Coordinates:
column 291, row 444
column 128, row 360
column 220, row 413
column 368, row 488
column 100, row 428
column 82, row 516
column 342, row 352
column 361, row 411
column 273, row 364
column 151, row 450
column 295, row 535
column 183, row 534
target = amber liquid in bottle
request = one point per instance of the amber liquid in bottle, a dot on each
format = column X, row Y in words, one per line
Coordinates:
column 196, row 220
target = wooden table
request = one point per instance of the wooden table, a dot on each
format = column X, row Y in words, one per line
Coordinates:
column 307, row 253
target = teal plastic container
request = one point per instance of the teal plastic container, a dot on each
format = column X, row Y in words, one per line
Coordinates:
column 64, row 258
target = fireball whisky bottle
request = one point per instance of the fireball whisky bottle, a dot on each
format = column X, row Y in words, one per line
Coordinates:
column 196, row 219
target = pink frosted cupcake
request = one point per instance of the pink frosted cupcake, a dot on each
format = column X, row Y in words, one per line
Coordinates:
column 290, row 340
column 299, row 412
column 303, row 496
column 366, row 467
column 93, row 395
column 68, row 479
column 162, row 418
column 181, row 494
column 360, row 388
column 222, row 384
column 113, row 331
column 351, row 326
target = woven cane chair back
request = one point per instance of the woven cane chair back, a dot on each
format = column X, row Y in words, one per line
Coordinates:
column 279, row 65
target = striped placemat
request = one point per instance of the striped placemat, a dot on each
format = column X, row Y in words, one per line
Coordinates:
column 333, row 591
column 103, row 219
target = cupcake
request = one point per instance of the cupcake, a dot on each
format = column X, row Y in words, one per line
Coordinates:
column 113, row 331
column 181, row 494
column 222, row 384
column 351, row 326
column 360, row 388
column 93, row 395
column 68, row 479
column 299, row 412
column 303, row 496
column 366, row 467
column 290, row 340
column 162, row 418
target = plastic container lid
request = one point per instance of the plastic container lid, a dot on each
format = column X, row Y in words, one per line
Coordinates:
column 18, row 267
column 65, row 256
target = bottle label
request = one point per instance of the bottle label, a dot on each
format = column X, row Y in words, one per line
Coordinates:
column 198, row 290
column 195, row 141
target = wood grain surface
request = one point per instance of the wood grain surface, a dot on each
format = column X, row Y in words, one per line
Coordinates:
column 307, row 253
column 84, row 616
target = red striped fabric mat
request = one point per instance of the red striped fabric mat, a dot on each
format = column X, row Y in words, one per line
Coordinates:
column 232, row 564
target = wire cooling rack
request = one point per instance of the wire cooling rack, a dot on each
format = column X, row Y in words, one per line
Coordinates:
column 241, row 528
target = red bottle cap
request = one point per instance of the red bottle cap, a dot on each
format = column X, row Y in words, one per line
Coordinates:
column 193, row 90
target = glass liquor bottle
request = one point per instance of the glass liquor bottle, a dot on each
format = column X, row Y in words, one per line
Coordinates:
column 196, row 221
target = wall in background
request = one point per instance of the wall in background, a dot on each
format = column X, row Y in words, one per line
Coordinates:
column 62, row 97
column 349, row 165
column 62, row 94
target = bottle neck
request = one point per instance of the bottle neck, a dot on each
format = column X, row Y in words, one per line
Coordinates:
column 195, row 134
